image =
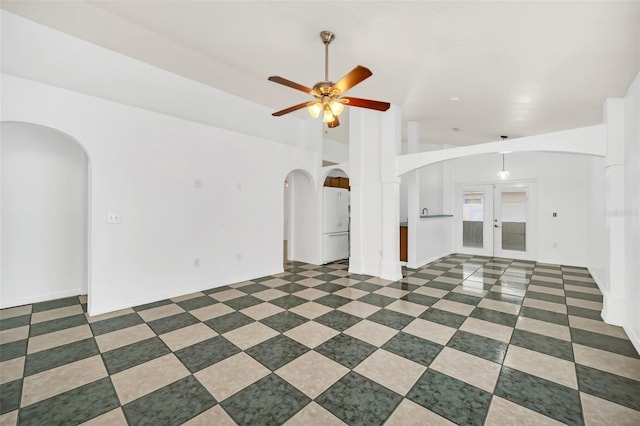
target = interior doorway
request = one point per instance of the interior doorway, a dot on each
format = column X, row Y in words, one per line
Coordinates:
column 45, row 215
column 496, row 220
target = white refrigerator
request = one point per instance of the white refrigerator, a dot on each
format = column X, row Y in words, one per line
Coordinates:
column 335, row 242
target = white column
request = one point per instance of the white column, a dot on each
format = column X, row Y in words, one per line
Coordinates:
column 390, row 139
column 374, row 143
column 413, row 196
column 614, row 302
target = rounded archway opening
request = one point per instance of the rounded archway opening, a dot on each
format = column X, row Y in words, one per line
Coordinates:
column 45, row 215
column 299, row 218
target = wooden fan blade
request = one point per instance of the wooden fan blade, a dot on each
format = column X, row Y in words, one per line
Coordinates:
column 293, row 108
column 333, row 124
column 354, row 77
column 366, row 103
column 292, row 84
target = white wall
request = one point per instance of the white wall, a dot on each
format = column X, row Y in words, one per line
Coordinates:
column 189, row 189
column 44, row 215
column 145, row 166
column 562, row 187
column 305, row 244
column 431, row 188
column 598, row 253
column 632, row 211
column 434, row 240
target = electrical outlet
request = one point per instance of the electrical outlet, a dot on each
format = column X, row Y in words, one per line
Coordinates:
column 113, row 218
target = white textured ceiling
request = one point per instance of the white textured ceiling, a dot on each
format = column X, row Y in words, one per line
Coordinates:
column 518, row 68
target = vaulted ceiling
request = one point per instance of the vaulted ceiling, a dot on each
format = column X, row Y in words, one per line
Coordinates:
column 484, row 68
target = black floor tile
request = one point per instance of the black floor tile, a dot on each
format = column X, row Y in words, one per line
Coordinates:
column 440, row 285
column 414, row 348
column 228, row 322
column 584, row 313
column 173, row 322
column 291, row 288
column 15, row 322
column 277, row 351
column 196, row 302
column 420, row 299
column 55, row 304
column 117, row 323
column 289, row 301
column 73, row 407
column 270, row 401
column 134, row 354
column 243, row 302
column 584, row 296
column 542, row 315
column 614, row 388
column 332, row 300
column 400, row 285
column 391, row 319
column 217, row 289
column 330, row 287
column 171, row 405
column 338, row 320
column 152, row 305
column 443, row 317
column 453, row 399
column 206, row 353
column 377, row 300
column 253, row 288
column 10, row 394
column 503, row 297
column 546, row 297
column 13, row 350
column 540, row 395
column 424, row 275
column 61, row 355
column 346, row 350
column 366, row 286
column 497, row 317
column 463, row 298
column 284, row 321
column 480, row 346
column 604, row 342
column 544, row 344
column 57, row 325
column 357, row 400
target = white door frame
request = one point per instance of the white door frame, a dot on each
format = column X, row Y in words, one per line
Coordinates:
column 531, row 221
column 491, row 238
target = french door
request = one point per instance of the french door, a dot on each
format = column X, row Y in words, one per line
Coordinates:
column 496, row 220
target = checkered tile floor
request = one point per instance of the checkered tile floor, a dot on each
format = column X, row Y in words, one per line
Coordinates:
column 464, row 340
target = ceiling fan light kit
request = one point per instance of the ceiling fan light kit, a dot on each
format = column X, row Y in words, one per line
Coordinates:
column 329, row 100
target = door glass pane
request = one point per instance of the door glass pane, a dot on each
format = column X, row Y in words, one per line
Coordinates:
column 514, row 220
column 472, row 219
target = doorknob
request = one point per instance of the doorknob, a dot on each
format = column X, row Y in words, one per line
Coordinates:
column 496, row 226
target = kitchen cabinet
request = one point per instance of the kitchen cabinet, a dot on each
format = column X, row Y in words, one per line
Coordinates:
column 404, row 232
column 337, row 182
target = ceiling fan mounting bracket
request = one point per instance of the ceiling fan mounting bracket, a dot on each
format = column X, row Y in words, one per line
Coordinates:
column 327, row 36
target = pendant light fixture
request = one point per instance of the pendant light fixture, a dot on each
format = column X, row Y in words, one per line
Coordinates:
column 503, row 174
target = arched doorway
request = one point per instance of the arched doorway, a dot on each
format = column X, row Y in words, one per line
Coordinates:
column 336, row 216
column 300, row 212
column 45, row 214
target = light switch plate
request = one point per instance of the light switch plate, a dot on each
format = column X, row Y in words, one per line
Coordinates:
column 113, row 218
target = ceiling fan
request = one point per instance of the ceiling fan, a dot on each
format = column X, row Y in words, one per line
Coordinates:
column 328, row 95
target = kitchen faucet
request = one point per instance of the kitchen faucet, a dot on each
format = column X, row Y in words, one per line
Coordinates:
column 425, row 210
